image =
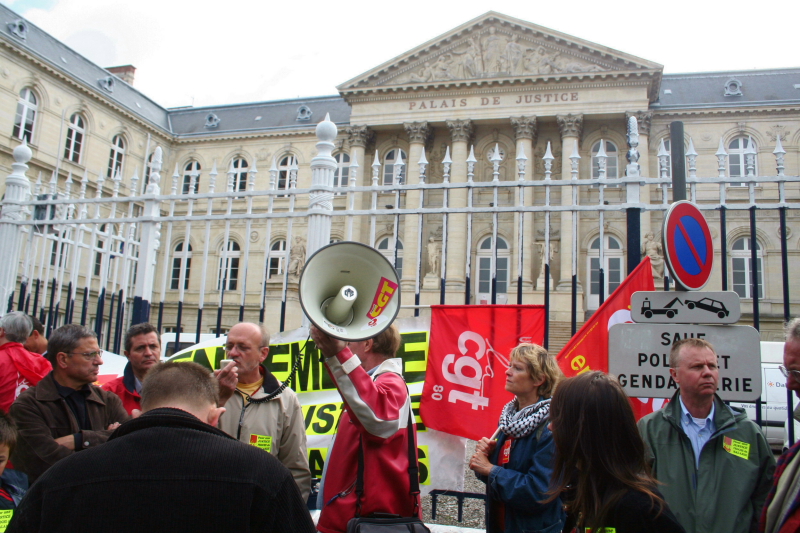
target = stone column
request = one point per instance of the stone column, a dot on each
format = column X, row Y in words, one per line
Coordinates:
column 525, row 136
column 571, row 127
column 644, row 118
column 359, row 138
column 418, row 135
column 461, row 132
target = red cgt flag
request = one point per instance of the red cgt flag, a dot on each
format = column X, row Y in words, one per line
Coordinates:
column 588, row 348
column 464, row 390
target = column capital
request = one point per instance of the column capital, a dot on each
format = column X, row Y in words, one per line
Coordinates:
column 524, row 128
column 361, row 136
column 570, row 125
column 418, row 132
column 643, row 118
column 460, row 130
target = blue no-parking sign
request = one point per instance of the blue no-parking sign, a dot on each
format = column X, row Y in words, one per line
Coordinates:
column 688, row 249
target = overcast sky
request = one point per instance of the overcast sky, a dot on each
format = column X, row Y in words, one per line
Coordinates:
column 209, row 53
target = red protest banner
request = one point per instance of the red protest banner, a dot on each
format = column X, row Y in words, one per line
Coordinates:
column 588, row 348
column 464, row 390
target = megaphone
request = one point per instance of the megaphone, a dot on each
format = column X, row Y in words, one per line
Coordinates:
column 350, row 291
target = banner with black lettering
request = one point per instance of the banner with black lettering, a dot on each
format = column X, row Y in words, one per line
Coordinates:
column 441, row 455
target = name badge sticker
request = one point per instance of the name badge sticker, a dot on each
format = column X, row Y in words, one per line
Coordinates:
column 262, row 442
column 736, row 447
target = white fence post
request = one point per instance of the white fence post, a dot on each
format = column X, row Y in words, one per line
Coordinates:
column 150, row 241
column 320, row 200
column 18, row 189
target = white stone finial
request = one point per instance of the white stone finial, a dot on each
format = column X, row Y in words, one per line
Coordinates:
column 575, row 155
column 22, row 153
column 274, row 167
column 496, row 154
column 422, row 159
column 691, row 151
column 662, row 149
column 778, row 146
column 447, row 156
column 602, row 151
column 327, row 130
column 471, row 157
column 548, row 154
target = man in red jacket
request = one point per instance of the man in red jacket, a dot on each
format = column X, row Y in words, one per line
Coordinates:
column 143, row 350
column 376, row 413
column 19, row 368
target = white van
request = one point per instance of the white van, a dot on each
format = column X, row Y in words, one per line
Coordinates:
column 169, row 347
column 773, row 397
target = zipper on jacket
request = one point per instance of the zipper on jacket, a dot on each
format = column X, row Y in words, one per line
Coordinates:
column 245, row 405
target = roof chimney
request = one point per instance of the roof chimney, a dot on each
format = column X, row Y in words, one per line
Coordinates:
column 124, row 72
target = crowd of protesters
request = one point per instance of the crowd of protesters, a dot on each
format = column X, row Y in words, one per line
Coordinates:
column 173, row 446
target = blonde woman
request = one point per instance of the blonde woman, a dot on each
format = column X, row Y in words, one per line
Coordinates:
column 517, row 466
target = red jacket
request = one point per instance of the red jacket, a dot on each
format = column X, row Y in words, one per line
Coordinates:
column 19, row 370
column 125, row 387
column 376, row 411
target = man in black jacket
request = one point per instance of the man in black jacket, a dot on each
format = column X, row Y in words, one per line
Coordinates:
column 168, row 470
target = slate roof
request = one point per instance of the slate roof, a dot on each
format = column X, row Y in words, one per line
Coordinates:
column 244, row 118
column 61, row 57
column 707, row 89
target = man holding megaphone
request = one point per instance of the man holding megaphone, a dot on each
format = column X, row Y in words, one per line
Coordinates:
column 375, row 423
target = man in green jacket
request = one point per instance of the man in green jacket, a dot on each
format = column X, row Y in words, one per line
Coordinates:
column 714, row 464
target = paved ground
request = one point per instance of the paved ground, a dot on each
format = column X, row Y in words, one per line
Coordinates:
column 447, row 506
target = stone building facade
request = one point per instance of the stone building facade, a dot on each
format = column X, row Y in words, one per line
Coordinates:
column 494, row 85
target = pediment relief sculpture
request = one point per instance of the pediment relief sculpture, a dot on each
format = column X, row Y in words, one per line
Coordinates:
column 492, row 54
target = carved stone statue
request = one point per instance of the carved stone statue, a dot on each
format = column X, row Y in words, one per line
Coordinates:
column 468, row 67
column 493, row 48
column 652, row 249
column 513, row 55
column 297, row 256
column 434, row 256
column 424, row 74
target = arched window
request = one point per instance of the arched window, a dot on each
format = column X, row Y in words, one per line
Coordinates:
column 277, row 258
column 181, row 260
column 742, row 268
column 342, row 170
column 191, row 168
column 283, row 173
column 27, row 106
column 484, row 282
column 240, row 174
column 75, row 133
column 737, row 161
column 612, row 161
column 391, row 172
column 228, row 274
column 101, row 250
column 386, row 247
column 612, row 258
column 117, row 156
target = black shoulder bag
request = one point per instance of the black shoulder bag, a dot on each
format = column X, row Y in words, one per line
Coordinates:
column 385, row 522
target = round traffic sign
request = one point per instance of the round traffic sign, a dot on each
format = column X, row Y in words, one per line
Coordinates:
column 688, row 249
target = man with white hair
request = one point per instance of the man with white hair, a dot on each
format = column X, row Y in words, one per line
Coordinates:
column 19, row 368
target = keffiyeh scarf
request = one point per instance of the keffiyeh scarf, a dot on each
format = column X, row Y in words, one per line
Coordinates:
column 523, row 422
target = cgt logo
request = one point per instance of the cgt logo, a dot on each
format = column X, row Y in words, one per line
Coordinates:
column 384, row 294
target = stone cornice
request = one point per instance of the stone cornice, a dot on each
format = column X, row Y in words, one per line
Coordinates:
column 402, row 94
column 651, row 77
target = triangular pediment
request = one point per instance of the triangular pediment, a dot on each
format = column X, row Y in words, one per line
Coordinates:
column 496, row 48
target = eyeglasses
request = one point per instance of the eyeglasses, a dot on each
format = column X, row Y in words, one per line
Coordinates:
column 89, row 356
column 795, row 374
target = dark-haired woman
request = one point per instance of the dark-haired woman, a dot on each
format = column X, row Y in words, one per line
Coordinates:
column 600, row 462
column 517, row 466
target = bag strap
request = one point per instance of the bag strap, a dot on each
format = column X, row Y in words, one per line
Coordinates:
column 413, row 466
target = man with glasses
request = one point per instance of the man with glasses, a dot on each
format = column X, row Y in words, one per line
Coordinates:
column 781, row 512
column 260, row 412
column 65, row 413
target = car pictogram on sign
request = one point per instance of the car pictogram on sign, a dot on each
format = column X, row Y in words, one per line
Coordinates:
column 707, row 304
